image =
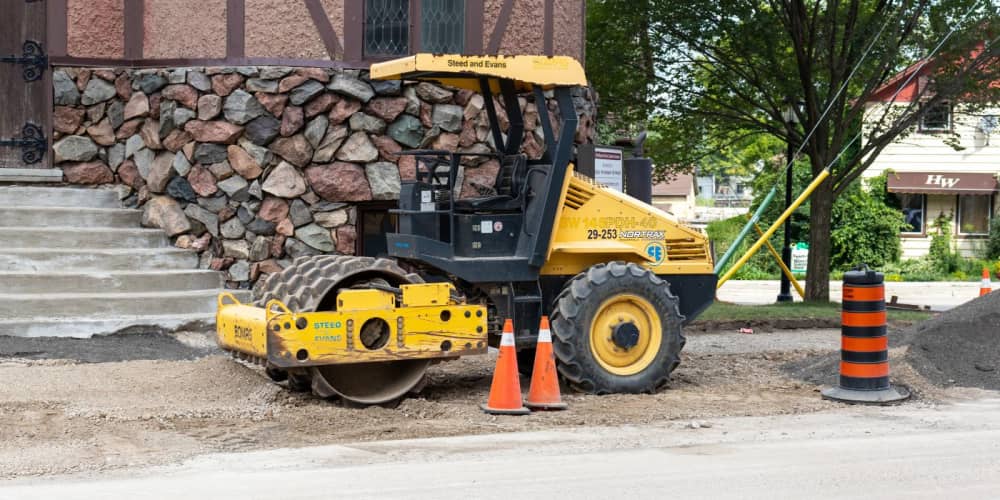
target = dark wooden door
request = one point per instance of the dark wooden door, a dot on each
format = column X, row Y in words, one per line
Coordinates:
column 24, row 85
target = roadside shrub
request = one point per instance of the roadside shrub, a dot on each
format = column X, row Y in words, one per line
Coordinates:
column 913, row 270
column 925, row 269
column 993, row 243
column 761, row 266
column 941, row 255
column 864, row 230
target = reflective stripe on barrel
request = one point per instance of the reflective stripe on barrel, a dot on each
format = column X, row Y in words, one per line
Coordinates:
column 864, row 345
column 863, row 319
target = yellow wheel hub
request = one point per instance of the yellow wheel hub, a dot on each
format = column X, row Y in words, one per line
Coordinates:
column 625, row 334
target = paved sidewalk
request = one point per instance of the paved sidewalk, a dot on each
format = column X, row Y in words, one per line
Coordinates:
column 939, row 295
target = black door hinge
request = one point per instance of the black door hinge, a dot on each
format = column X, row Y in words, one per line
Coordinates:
column 32, row 142
column 33, row 59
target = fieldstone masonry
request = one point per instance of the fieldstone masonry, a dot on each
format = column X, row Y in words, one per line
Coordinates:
column 252, row 167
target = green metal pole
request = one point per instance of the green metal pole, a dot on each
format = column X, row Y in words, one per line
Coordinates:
column 746, row 230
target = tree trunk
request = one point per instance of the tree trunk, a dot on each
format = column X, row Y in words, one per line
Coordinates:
column 820, row 213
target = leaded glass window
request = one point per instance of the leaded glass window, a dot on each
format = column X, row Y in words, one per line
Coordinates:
column 443, row 26
column 387, row 27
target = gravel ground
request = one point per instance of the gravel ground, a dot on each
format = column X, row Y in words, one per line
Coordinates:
column 62, row 416
column 118, row 347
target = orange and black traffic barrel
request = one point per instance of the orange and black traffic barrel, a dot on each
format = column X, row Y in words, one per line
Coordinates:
column 864, row 342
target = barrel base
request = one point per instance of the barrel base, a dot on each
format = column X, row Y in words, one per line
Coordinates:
column 879, row 397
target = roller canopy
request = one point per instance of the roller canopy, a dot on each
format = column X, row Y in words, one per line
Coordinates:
column 466, row 71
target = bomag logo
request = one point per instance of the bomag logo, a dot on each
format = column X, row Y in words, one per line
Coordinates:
column 327, row 325
column 244, row 333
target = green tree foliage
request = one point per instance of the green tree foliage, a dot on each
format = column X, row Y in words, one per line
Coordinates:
column 621, row 66
column 865, row 229
column 708, row 75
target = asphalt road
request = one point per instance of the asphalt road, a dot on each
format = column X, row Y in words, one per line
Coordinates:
column 939, row 295
column 910, row 451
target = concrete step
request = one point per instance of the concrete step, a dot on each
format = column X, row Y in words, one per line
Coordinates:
column 99, row 305
column 99, row 259
column 70, row 237
column 110, row 282
column 21, row 175
column 22, row 196
column 69, row 217
column 88, row 327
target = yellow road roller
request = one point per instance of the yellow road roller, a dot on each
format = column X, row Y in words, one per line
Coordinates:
column 617, row 276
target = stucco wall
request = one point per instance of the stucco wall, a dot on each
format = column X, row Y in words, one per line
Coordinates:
column 96, row 28
column 568, row 28
column 491, row 12
column 284, row 28
column 196, row 29
column 525, row 31
column 185, row 29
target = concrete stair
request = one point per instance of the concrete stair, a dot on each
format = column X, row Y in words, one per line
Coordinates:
column 73, row 263
column 78, row 217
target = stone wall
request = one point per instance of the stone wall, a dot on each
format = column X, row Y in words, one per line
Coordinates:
column 252, row 167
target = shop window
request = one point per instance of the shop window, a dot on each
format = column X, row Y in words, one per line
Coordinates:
column 387, row 27
column 937, row 118
column 913, row 207
column 374, row 222
column 974, row 214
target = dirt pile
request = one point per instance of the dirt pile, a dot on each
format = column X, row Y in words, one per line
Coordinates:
column 960, row 346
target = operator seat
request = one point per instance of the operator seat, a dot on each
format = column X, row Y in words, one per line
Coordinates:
column 506, row 189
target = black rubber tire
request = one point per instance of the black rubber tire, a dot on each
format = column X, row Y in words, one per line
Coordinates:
column 310, row 284
column 574, row 311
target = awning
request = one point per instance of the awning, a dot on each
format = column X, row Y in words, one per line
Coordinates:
column 942, row 183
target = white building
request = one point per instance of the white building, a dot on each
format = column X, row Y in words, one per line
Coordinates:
column 930, row 177
column 676, row 196
column 725, row 191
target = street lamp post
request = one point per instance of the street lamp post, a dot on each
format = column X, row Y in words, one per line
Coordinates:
column 791, row 118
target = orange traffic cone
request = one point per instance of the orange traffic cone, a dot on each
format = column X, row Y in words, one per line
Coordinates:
column 544, row 391
column 985, row 287
column 505, row 393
